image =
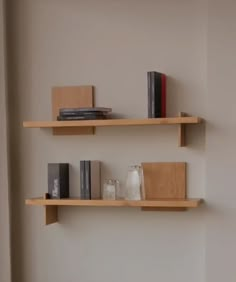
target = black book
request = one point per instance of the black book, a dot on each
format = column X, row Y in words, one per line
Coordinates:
column 87, row 195
column 82, row 180
column 154, row 94
column 86, row 116
column 83, row 114
column 58, row 180
column 74, row 111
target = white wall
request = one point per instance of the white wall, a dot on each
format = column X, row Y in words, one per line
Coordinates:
column 5, row 271
column 221, row 137
column 109, row 44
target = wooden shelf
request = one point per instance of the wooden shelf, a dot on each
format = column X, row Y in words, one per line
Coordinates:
column 113, row 122
column 88, row 126
column 188, row 203
column 51, row 205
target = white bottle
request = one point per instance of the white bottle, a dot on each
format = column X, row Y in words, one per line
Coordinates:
column 133, row 184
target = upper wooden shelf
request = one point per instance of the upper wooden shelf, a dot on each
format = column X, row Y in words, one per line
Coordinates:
column 87, row 126
column 113, row 122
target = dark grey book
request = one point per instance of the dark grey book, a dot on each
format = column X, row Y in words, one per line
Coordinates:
column 58, row 180
column 66, row 111
column 82, row 180
column 88, row 116
column 87, row 181
column 154, row 94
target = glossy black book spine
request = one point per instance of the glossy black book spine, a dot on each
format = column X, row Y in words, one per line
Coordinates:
column 87, row 181
column 154, row 94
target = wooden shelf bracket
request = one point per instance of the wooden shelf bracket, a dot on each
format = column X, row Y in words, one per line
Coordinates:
column 182, row 131
column 51, row 213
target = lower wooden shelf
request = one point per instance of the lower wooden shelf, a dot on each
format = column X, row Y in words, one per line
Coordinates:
column 186, row 203
column 51, row 205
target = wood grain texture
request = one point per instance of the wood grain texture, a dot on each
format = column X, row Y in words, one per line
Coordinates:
column 182, row 132
column 170, row 203
column 164, row 209
column 113, row 122
column 71, row 97
column 164, row 180
column 51, row 213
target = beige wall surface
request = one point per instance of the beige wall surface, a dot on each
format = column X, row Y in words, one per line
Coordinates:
column 5, row 271
column 109, row 44
column 221, row 139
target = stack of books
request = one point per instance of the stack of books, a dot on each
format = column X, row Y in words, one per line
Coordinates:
column 83, row 113
column 90, row 180
column 156, row 94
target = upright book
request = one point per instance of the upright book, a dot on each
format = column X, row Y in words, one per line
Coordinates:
column 163, row 95
column 156, row 94
column 90, row 180
column 87, row 191
column 58, row 180
column 95, row 179
column 82, row 179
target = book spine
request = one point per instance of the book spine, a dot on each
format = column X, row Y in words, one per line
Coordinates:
column 58, row 180
column 82, row 180
column 157, row 94
column 150, row 95
column 53, row 180
column 87, row 181
column 154, row 94
column 163, row 95
column 95, row 176
column 64, row 180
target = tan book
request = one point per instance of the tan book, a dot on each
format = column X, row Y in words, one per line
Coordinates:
column 95, row 178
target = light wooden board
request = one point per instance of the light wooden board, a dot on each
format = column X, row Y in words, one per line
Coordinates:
column 164, row 180
column 182, row 132
column 113, row 122
column 71, row 97
column 163, row 209
column 51, row 205
column 171, row 203
column 51, row 213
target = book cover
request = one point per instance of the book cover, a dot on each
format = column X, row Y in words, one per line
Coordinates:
column 58, row 180
column 163, row 95
column 95, row 177
column 86, row 116
column 150, row 95
column 77, row 111
column 154, row 94
column 87, row 195
column 157, row 94
column 82, row 180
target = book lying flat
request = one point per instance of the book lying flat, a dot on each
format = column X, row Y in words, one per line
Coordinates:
column 83, row 117
column 82, row 110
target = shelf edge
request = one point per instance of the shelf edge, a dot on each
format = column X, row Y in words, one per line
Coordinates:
column 113, row 122
column 188, row 203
